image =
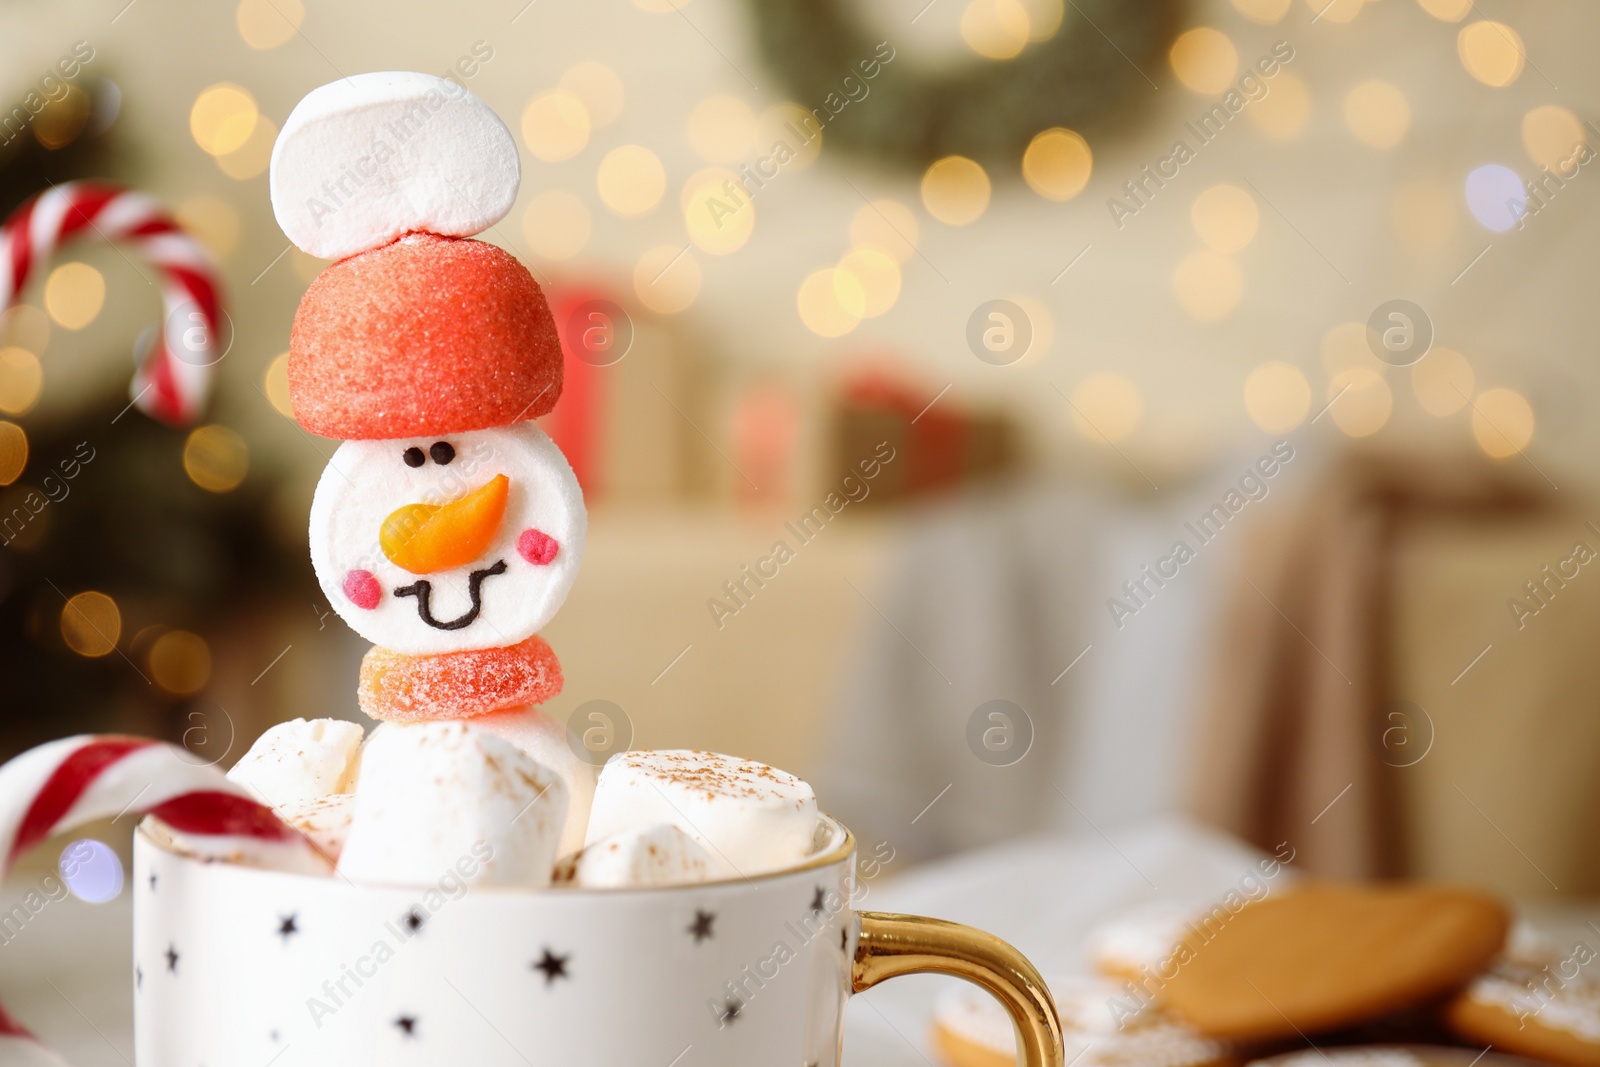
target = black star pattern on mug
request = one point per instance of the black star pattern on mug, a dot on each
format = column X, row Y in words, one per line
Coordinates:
column 172, row 957
column 138, row 977
column 553, row 967
column 817, row 902
column 730, row 1011
column 287, row 928
column 701, row 927
column 407, row 1025
column 152, row 881
column 414, row 920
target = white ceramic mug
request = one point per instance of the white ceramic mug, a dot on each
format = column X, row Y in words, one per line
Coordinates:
column 237, row 967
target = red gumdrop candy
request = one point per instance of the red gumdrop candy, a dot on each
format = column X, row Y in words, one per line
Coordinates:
column 362, row 589
column 537, row 547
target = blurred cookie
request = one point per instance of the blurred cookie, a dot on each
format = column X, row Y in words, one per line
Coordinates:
column 971, row 1029
column 1389, row 1056
column 1324, row 956
column 1142, row 938
column 1535, row 1002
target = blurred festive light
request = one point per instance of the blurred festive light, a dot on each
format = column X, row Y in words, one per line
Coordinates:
column 831, row 302
column 995, row 29
column 1363, row 401
column 1336, row 10
column 1204, row 60
column 1495, row 197
column 667, row 278
column 877, row 274
column 74, row 294
column 269, row 24
column 888, row 225
column 1225, row 217
column 63, row 119
column 1443, row 381
column 21, row 378
column 213, row 221
column 1423, row 213
column 223, row 118
column 1277, row 396
column 1043, row 324
column 1044, row 18
column 788, row 136
column 25, row 326
column 1447, row 10
column 1208, row 285
column 1266, row 12
column 250, row 159
column 555, row 125
column 1106, row 407
column 216, row 458
column 1344, row 347
column 180, row 662
column 599, row 88
column 91, row 624
column 91, row 871
column 717, row 213
column 1283, row 113
column 721, row 129
column 1377, row 113
column 955, row 190
column 275, row 383
column 631, row 180
column 1502, row 422
column 1553, row 137
column 660, row 7
column 557, row 224
column 1057, row 163
column 1491, row 51
column 13, row 452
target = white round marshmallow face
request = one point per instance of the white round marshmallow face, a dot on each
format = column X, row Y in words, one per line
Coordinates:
column 484, row 538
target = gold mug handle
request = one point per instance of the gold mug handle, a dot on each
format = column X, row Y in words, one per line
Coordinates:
column 891, row 945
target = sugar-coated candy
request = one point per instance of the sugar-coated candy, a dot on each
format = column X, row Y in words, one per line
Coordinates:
column 299, row 761
column 545, row 740
column 457, row 685
column 644, row 856
column 432, row 557
column 369, row 157
column 427, row 336
column 750, row 817
column 444, row 799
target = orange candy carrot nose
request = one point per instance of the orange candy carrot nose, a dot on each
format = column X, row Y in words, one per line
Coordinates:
column 426, row 538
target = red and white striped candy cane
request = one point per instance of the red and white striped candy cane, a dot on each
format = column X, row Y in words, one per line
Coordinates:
column 19, row 1048
column 174, row 379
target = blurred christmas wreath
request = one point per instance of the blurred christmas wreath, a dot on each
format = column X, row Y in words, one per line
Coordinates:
column 1080, row 66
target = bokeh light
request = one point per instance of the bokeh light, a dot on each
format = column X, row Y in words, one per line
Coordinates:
column 888, row 225
column 216, row 458
column 1044, row 18
column 91, row 871
column 1205, row 60
column 275, row 383
column 1266, row 12
column 667, row 279
column 631, row 180
column 1057, row 164
column 1225, row 217
column 1377, row 113
column 1447, row 10
column 1553, row 136
column 1106, row 407
column 180, row 662
column 63, row 119
column 1277, row 396
column 1502, row 422
column 722, row 129
column 1208, row 285
column 250, row 159
column 955, row 190
column 996, row 29
column 1443, row 381
column 1344, row 346
column 599, row 88
column 831, row 302
column 793, row 128
column 1363, row 401
column 1495, row 197
column 1491, row 51
column 25, row 326
column 213, row 221
column 1284, row 112
column 555, row 125
column 269, row 24
column 223, row 118
column 13, row 452
column 74, row 294
column 91, row 623
column 557, row 224
column 21, row 378
column 717, row 213
column 877, row 274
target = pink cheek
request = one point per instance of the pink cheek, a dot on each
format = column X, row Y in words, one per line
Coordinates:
column 362, row 589
column 537, row 547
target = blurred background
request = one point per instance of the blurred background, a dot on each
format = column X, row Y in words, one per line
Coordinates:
column 981, row 308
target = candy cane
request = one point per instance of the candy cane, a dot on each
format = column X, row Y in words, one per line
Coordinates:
column 19, row 1048
column 173, row 380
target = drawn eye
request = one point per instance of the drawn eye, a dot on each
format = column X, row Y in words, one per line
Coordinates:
column 442, row 452
column 414, row 457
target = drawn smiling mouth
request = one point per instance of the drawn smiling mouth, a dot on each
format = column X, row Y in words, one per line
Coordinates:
column 423, row 591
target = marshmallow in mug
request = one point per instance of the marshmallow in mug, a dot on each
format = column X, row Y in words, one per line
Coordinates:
column 750, row 817
column 658, row 855
column 300, row 761
column 545, row 740
column 324, row 821
column 432, row 795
